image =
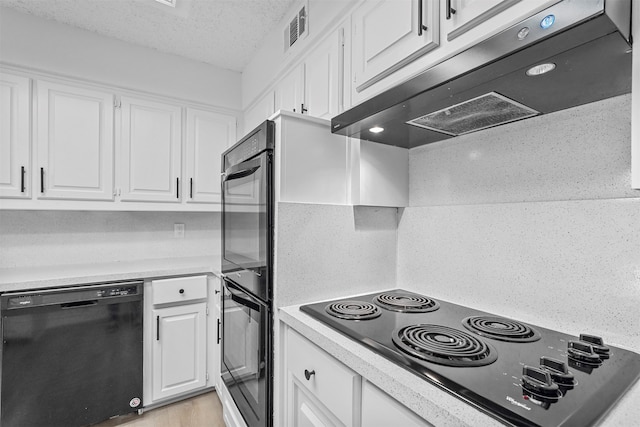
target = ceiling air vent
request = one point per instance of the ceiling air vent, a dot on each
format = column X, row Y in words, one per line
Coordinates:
column 296, row 29
column 485, row 111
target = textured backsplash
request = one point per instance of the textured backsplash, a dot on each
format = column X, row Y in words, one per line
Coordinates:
column 328, row 251
column 535, row 220
column 40, row 238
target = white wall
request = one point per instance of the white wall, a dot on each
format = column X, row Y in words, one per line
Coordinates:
column 535, row 220
column 49, row 238
column 271, row 61
column 44, row 45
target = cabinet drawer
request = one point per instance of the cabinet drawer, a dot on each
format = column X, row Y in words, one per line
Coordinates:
column 333, row 384
column 179, row 289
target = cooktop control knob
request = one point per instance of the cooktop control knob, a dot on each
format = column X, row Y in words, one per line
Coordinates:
column 538, row 381
column 558, row 370
column 583, row 352
column 597, row 344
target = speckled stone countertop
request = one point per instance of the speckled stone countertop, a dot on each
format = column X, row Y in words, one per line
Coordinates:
column 13, row 279
column 425, row 399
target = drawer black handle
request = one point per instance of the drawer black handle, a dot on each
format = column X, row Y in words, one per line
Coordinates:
column 308, row 374
column 181, row 291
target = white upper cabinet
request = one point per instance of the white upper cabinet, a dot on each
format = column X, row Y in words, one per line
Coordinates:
column 150, row 151
column 259, row 112
column 289, row 93
column 461, row 16
column 15, row 141
column 323, row 76
column 208, row 135
column 75, row 143
column 388, row 34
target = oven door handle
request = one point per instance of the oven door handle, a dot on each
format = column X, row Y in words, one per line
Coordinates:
column 243, row 169
column 242, row 300
column 240, row 174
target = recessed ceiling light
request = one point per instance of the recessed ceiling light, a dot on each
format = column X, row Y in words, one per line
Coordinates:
column 171, row 3
column 376, row 129
column 536, row 70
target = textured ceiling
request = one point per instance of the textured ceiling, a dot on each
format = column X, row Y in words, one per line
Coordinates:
column 225, row 33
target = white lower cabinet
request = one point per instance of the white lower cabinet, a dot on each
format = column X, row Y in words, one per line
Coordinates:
column 179, row 352
column 381, row 410
column 321, row 391
column 181, row 349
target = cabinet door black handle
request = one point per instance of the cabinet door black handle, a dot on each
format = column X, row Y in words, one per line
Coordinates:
column 177, row 188
column 308, row 374
column 191, row 188
column 157, row 328
column 42, row 180
column 181, row 291
column 450, row 10
column 219, row 331
column 421, row 26
column 22, row 187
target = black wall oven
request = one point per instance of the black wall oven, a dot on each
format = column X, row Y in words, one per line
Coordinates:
column 247, row 264
column 247, row 211
column 247, row 360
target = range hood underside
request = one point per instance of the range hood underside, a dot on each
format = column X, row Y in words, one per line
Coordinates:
column 592, row 71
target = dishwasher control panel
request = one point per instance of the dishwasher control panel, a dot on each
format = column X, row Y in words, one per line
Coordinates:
column 71, row 295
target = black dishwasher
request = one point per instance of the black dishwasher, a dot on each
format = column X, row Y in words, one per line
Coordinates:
column 71, row 356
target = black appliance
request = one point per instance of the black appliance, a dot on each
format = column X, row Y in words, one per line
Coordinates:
column 247, row 268
column 247, row 360
column 520, row 374
column 247, row 211
column 587, row 43
column 71, row 356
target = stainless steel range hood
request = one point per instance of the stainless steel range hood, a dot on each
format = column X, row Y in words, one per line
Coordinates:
column 588, row 45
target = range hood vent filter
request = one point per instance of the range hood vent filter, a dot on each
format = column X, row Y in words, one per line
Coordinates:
column 485, row 111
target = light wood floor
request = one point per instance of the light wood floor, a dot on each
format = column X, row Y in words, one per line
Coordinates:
column 200, row 411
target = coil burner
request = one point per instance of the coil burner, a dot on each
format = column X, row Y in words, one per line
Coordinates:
column 500, row 328
column 353, row 310
column 406, row 303
column 443, row 345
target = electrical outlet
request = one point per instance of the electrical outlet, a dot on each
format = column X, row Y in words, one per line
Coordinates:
column 178, row 231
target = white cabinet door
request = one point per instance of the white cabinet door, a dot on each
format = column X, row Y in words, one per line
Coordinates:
column 289, row 92
column 208, row 135
column 320, row 389
column 179, row 350
column 323, row 78
column 15, row 143
column 75, row 143
column 216, row 333
column 388, row 34
column 259, row 112
column 467, row 14
column 150, row 151
column 381, row 410
column 308, row 411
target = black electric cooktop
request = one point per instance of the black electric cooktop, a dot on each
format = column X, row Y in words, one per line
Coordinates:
column 520, row 374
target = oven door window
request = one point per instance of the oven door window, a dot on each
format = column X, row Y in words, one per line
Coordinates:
column 245, row 214
column 244, row 347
